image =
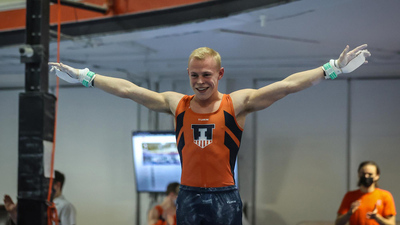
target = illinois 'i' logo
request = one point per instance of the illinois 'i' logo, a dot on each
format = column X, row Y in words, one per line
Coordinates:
column 202, row 134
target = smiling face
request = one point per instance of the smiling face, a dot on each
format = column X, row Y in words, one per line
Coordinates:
column 204, row 75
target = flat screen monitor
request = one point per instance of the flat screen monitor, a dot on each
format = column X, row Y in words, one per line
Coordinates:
column 156, row 160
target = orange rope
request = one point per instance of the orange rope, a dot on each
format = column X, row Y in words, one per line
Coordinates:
column 52, row 215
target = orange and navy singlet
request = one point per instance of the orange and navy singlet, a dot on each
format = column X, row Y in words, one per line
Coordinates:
column 207, row 144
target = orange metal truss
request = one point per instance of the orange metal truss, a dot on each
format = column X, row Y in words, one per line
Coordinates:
column 15, row 19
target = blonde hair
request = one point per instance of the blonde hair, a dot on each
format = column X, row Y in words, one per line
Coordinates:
column 204, row 52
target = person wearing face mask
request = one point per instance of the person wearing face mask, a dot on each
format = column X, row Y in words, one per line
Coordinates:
column 369, row 204
column 165, row 213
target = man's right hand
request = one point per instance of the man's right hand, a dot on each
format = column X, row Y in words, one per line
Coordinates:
column 72, row 73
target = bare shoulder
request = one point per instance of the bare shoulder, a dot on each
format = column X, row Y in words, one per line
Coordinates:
column 242, row 93
column 173, row 99
column 240, row 99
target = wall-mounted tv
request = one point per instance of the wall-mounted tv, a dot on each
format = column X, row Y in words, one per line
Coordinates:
column 156, row 160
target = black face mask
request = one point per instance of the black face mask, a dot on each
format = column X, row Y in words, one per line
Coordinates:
column 366, row 181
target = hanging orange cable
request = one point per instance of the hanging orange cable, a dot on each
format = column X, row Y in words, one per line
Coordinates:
column 52, row 215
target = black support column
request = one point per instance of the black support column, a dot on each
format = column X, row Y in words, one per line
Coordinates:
column 35, row 54
column 36, row 125
column 36, row 117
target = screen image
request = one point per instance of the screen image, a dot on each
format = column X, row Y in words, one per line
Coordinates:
column 156, row 160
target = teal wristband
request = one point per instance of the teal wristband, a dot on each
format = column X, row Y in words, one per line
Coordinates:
column 329, row 71
column 88, row 79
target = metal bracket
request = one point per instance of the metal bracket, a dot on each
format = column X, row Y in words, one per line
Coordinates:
column 31, row 53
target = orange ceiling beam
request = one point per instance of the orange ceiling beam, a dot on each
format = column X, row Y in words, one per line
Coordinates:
column 15, row 19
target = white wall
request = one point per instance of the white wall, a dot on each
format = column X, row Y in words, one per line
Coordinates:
column 375, row 133
column 302, row 151
column 297, row 147
column 93, row 149
column 301, row 155
column 8, row 142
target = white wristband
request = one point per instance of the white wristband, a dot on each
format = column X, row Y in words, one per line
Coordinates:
column 86, row 77
column 331, row 70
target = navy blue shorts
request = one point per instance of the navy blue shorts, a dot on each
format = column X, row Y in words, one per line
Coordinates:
column 210, row 206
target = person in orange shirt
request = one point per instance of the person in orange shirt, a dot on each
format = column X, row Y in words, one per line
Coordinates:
column 209, row 125
column 165, row 213
column 368, row 205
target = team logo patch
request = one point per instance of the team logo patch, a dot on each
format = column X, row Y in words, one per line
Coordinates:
column 202, row 134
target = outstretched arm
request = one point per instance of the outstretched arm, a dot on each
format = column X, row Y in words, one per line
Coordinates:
column 249, row 100
column 160, row 102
